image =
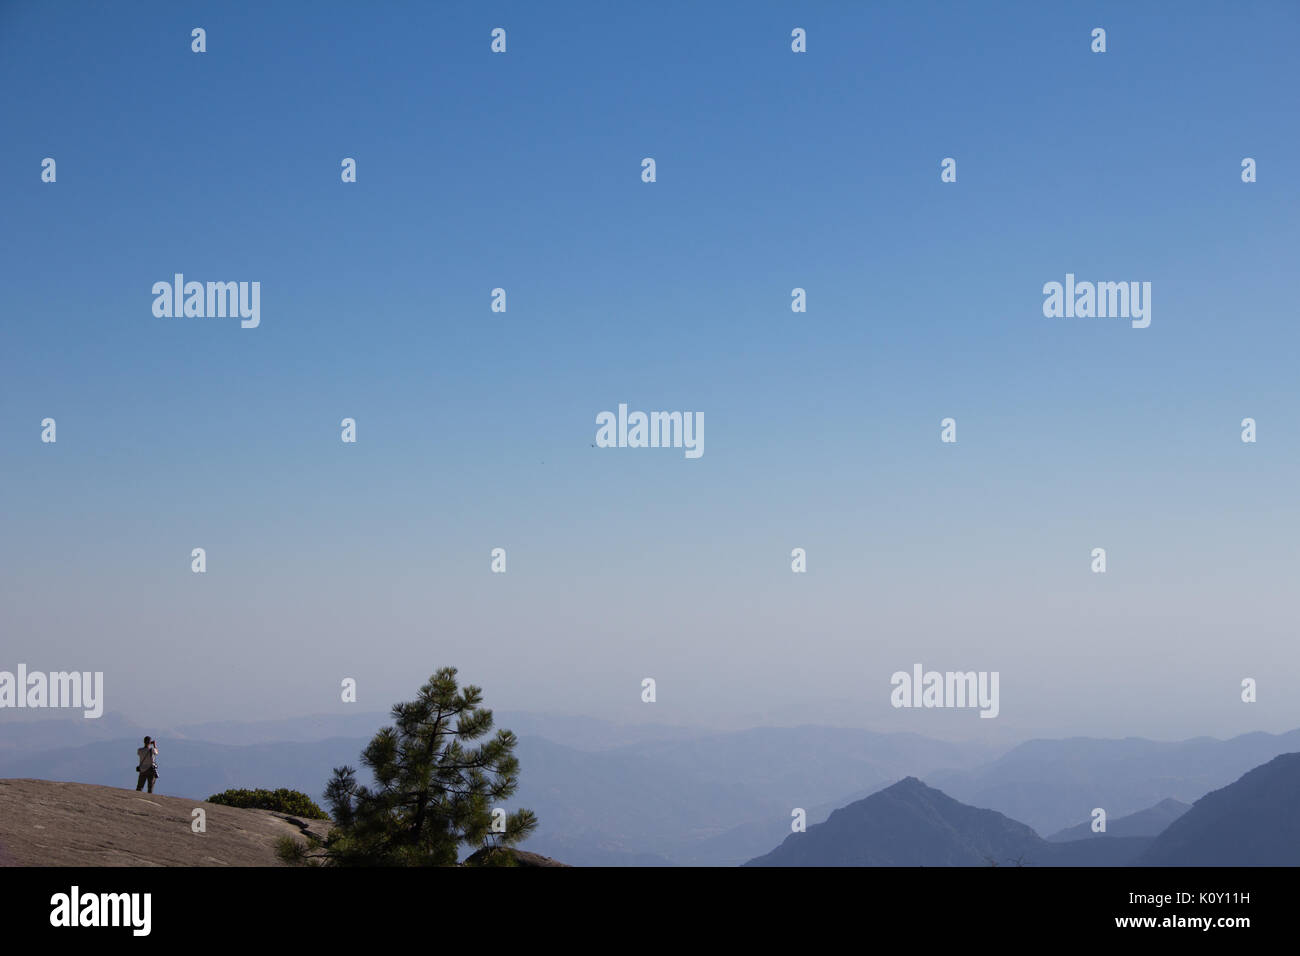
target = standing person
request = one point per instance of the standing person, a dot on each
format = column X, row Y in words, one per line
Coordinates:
column 147, row 765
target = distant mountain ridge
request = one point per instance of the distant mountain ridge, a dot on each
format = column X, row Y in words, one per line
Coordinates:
column 911, row 824
column 1252, row 822
column 193, row 769
column 652, row 802
column 1054, row 784
column 644, row 795
column 1148, row 822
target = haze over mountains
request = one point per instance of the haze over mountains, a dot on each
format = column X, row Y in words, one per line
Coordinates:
column 910, row 824
column 1251, row 822
column 1053, row 784
column 634, row 795
column 1146, row 822
column 616, row 794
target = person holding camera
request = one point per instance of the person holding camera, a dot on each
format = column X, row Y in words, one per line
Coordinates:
column 147, row 765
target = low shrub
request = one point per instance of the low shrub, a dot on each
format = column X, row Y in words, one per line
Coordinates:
column 281, row 801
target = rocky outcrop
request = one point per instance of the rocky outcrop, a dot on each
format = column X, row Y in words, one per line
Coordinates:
column 509, row 856
column 49, row 823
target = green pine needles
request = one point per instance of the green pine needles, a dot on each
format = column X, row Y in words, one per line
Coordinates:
column 435, row 791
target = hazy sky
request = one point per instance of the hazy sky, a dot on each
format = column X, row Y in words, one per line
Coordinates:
column 475, row 429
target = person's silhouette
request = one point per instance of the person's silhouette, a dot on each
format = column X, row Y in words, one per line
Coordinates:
column 147, row 765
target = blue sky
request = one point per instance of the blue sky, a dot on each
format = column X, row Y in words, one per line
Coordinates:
column 775, row 170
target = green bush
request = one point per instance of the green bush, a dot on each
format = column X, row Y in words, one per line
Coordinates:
column 297, row 853
column 281, row 801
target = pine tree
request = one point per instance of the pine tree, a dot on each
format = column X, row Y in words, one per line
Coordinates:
column 433, row 793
